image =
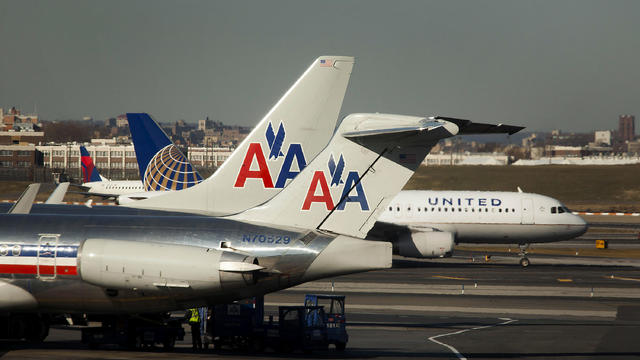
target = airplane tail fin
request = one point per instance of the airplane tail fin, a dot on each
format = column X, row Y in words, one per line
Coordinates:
column 347, row 186
column 89, row 171
column 161, row 164
column 292, row 133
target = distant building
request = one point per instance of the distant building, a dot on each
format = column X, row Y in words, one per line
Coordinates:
column 626, row 128
column 110, row 158
column 121, row 121
column 602, row 137
column 208, row 157
column 466, row 158
column 19, row 156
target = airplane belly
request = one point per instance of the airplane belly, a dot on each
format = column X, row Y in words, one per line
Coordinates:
column 508, row 233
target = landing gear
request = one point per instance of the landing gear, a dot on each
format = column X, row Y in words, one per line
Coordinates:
column 524, row 260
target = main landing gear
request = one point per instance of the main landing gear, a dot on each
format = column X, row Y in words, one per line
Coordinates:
column 524, row 260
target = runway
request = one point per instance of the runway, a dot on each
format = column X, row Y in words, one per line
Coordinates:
column 418, row 310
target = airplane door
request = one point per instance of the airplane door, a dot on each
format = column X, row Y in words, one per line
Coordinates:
column 46, row 257
column 527, row 211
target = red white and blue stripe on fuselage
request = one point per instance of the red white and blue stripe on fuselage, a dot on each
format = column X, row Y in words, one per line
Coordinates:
column 43, row 260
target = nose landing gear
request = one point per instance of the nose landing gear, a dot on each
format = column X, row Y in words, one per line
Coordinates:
column 524, row 260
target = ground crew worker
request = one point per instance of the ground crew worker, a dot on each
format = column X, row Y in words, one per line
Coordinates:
column 194, row 322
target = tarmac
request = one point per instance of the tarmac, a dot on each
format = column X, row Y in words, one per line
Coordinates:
column 444, row 309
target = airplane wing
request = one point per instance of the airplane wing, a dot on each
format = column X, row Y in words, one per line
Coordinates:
column 25, row 201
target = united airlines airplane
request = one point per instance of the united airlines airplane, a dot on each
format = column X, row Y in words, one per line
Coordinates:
column 428, row 223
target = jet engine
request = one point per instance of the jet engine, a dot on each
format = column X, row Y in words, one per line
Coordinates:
column 424, row 244
column 133, row 265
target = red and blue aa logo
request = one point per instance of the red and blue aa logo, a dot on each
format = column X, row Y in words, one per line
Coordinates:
column 254, row 166
column 319, row 191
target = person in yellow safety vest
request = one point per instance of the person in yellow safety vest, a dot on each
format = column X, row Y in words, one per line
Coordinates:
column 194, row 322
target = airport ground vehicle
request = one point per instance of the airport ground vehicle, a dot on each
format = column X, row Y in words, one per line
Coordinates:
column 242, row 326
column 334, row 317
column 135, row 332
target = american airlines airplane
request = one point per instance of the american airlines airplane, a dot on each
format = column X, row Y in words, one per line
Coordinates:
column 427, row 223
column 309, row 229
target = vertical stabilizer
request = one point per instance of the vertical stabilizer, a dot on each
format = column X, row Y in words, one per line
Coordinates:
column 292, row 133
column 162, row 165
column 368, row 161
column 89, row 171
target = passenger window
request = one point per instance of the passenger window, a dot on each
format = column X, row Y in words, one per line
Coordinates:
column 390, row 208
column 426, row 209
column 459, row 209
column 506, row 210
column 409, row 209
column 453, row 209
column 418, row 209
column 499, row 210
column 445, row 210
column 398, row 208
column 486, row 210
column 439, row 209
column 513, row 210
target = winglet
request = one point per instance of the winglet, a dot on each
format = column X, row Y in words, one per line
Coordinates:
column 58, row 194
column 25, row 201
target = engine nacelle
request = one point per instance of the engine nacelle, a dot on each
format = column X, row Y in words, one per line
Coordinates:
column 424, row 244
column 132, row 265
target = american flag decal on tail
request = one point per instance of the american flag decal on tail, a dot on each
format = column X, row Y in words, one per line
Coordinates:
column 326, row 63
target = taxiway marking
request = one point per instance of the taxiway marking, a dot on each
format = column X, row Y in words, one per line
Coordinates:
column 450, row 277
column 455, row 351
column 565, row 280
column 621, row 278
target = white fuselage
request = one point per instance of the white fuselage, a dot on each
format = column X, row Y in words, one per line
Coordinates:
column 486, row 217
column 115, row 187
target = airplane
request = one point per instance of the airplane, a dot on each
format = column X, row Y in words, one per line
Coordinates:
column 310, row 229
column 424, row 223
column 97, row 185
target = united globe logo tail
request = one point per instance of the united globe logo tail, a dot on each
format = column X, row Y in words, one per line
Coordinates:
column 170, row 170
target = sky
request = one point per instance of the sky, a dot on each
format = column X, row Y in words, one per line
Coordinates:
column 569, row 65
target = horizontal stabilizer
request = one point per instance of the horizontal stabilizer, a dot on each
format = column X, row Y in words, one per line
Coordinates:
column 467, row 127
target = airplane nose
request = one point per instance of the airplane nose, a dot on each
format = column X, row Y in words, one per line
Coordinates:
column 582, row 227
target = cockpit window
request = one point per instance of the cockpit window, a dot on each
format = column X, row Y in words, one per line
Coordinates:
column 560, row 209
column 554, row 209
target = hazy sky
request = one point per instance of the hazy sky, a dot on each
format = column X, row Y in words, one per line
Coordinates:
column 572, row 65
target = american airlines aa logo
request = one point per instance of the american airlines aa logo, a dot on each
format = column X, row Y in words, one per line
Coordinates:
column 352, row 190
column 169, row 170
column 254, row 165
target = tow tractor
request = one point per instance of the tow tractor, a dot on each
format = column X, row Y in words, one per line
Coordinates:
column 306, row 327
column 334, row 317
